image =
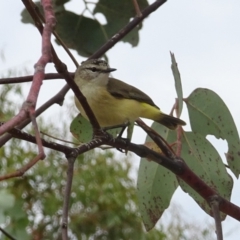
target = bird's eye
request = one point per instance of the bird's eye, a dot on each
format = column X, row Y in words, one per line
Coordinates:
column 94, row 69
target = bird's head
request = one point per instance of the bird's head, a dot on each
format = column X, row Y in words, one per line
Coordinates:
column 95, row 70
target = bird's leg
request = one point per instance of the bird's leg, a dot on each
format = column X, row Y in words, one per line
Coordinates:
column 123, row 127
column 101, row 134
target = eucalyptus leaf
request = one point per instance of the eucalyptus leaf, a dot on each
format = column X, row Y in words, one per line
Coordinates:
column 203, row 159
column 209, row 115
column 155, row 185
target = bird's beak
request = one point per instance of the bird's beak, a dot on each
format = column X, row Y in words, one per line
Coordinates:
column 109, row 70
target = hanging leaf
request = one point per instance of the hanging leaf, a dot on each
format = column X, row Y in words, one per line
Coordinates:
column 80, row 33
column 155, row 185
column 209, row 115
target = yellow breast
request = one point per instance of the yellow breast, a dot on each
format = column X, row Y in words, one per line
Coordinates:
column 109, row 110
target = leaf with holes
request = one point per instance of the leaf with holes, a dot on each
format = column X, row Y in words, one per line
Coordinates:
column 209, row 115
column 203, row 159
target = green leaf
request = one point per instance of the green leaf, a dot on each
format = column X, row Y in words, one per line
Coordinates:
column 82, row 129
column 118, row 14
column 203, row 159
column 209, row 115
column 80, row 33
column 86, row 35
column 155, row 186
column 178, row 83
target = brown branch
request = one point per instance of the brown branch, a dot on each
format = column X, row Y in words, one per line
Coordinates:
column 17, row 133
column 176, row 165
column 207, row 193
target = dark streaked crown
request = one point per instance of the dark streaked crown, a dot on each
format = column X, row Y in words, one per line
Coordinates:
column 96, row 63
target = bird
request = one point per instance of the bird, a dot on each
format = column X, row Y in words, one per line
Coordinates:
column 115, row 102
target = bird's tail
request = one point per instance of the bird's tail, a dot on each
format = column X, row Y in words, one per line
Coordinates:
column 170, row 121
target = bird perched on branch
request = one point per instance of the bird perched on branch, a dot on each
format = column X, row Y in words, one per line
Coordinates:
column 114, row 102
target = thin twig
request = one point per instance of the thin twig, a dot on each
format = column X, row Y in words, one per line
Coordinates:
column 161, row 143
column 47, row 76
column 214, row 203
column 38, row 138
column 59, row 139
column 137, row 9
column 67, row 195
column 7, row 234
column 20, row 172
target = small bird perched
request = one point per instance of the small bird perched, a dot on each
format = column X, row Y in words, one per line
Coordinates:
column 114, row 102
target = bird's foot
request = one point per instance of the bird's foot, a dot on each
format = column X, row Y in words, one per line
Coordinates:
column 122, row 126
column 101, row 134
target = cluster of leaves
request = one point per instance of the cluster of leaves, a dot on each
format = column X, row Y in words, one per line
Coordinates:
column 208, row 116
column 86, row 35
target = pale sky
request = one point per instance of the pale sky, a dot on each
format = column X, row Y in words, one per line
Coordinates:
column 205, row 38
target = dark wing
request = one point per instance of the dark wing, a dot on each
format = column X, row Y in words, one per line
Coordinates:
column 121, row 89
